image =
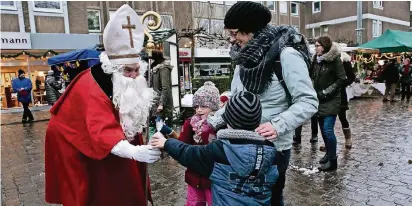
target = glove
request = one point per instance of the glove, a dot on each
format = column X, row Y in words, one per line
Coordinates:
column 141, row 153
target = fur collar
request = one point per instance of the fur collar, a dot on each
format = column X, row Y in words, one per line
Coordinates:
column 162, row 65
column 239, row 134
column 334, row 52
column 345, row 57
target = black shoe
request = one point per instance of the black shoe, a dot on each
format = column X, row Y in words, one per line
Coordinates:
column 23, row 121
column 330, row 165
column 324, row 159
column 296, row 141
column 385, row 100
column 314, row 139
column 30, row 120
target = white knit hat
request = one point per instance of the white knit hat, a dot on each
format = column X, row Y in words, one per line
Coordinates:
column 123, row 36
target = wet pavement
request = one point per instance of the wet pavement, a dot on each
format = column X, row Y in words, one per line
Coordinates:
column 374, row 172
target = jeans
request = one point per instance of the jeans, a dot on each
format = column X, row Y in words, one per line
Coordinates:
column 27, row 112
column 406, row 91
column 282, row 162
column 343, row 119
column 327, row 124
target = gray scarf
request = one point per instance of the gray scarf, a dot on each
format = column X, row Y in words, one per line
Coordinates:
column 257, row 59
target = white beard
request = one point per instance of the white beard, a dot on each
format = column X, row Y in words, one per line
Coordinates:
column 131, row 97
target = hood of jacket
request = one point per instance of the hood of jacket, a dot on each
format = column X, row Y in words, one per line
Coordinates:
column 345, row 57
column 334, row 52
column 242, row 157
column 163, row 65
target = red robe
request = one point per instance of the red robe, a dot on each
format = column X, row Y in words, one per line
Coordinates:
column 80, row 170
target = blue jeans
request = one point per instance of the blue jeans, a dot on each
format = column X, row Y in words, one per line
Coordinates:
column 327, row 124
column 282, row 162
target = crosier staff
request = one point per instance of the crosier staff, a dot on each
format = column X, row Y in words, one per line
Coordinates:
column 152, row 25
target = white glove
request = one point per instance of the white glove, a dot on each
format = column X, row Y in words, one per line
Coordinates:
column 141, row 153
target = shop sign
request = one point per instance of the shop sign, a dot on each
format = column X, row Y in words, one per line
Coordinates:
column 185, row 53
column 223, row 52
column 15, row 40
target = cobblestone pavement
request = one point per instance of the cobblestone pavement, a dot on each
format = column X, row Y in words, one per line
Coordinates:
column 375, row 172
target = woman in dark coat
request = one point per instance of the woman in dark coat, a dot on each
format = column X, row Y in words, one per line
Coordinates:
column 328, row 78
column 162, row 84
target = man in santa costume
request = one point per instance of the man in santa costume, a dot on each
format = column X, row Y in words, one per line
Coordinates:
column 94, row 153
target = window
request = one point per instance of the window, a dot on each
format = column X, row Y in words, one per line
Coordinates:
column 378, row 4
column 283, row 7
column 48, row 6
column 93, row 20
column 271, row 5
column 294, row 9
column 167, row 22
column 111, row 14
column 8, row 5
column 316, row 7
column 217, row 26
column 203, row 23
column 376, row 28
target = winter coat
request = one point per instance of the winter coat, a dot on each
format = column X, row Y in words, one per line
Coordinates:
column 406, row 78
column 23, row 96
column 328, row 78
column 162, row 84
column 230, row 162
column 350, row 78
column 186, row 135
column 276, row 107
column 391, row 74
column 52, row 87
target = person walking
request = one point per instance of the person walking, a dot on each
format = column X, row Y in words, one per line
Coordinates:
column 406, row 79
column 52, row 88
column 23, row 87
column 328, row 77
column 391, row 77
column 272, row 62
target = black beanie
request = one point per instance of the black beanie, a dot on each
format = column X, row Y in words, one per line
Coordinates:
column 243, row 111
column 247, row 16
column 21, row 72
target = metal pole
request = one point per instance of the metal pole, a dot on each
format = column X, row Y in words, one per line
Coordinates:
column 359, row 28
column 28, row 71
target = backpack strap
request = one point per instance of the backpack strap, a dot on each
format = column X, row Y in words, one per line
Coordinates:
column 279, row 75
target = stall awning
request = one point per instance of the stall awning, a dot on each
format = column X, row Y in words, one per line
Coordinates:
column 91, row 55
column 391, row 41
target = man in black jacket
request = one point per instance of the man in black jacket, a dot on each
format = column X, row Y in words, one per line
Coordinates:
column 391, row 77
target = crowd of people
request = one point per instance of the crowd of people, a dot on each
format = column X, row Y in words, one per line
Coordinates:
column 236, row 147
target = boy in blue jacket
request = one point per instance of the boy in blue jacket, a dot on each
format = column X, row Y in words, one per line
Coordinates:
column 23, row 87
column 240, row 162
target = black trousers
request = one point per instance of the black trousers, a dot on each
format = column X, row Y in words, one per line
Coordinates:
column 406, row 91
column 26, row 112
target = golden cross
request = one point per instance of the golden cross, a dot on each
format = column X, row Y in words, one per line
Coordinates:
column 129, row 27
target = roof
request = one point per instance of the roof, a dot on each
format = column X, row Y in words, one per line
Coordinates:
column 391, row 41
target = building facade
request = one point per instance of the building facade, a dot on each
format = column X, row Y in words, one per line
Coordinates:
column 338, row 19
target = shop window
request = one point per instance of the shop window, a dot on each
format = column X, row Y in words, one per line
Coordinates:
column 283, row 7
column 294, row 9
column 8, row 5
column 94, row 20
column 217, row 26
column 212, row 69
column 48, row 6
column 316, row 7
column 378, row 4
column 167, row 22
column 203, row 23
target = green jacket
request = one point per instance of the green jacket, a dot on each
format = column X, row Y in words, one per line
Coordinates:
column 162, row 84
column 328, row 77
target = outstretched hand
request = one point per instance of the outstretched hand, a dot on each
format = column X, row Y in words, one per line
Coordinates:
column 158, row 140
